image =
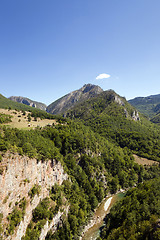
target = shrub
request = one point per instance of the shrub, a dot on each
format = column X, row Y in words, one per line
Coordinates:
column 35, row 190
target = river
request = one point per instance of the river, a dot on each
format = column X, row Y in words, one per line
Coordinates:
column 97, row 221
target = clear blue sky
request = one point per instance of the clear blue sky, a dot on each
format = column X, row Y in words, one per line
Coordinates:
column 51, row 47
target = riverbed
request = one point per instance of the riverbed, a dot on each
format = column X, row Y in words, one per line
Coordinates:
column 97, row 221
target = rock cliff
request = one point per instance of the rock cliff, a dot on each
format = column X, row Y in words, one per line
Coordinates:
column 18, row 176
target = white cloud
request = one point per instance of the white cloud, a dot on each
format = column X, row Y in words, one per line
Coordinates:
column 102, row 76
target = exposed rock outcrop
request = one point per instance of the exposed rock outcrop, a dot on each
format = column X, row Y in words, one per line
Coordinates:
column 28, row 102
column 52, row 225
column 149, row 106
column 18, row 177
column 118, row 100
column 135, row 116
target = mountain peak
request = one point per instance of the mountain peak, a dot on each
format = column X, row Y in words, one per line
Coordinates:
column 88, row 87
column 68, row 101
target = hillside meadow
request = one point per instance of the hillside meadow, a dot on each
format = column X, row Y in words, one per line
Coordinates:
column 19, row 119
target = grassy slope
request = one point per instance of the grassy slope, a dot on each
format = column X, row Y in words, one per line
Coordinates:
column 19, row 120
column 6, row 103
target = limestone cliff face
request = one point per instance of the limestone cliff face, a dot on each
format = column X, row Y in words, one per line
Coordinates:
column 135, row 116
column 18, row 176
column 118, row 100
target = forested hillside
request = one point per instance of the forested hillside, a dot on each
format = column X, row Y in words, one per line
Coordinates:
column 150, row 106
column 136, row 217
column 116, row 120
column 95, row 145
column 95, row 166
column 156, row 118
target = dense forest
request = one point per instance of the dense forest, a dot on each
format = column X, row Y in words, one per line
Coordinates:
column 136, row 217
column 114, row 121
column 95, row 145
column 95, row 166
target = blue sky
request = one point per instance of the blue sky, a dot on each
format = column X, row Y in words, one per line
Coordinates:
column 49, row 48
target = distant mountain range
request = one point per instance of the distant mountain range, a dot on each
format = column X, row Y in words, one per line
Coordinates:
column 64, row 103
column 149, row 106
column 28, row 102
column 105, row 112
column 92, row 152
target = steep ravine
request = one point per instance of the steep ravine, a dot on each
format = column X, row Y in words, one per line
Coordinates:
column 92, row 230
column 18, row 175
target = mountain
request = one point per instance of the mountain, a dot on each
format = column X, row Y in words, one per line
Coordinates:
column 6, row 103
column 28, row 102
column 115, row 119
column 52, row 178
column 107, row 102
column 68, row 101
column 149, row 106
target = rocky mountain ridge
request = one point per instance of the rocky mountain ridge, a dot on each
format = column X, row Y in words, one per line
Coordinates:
column 64, row 103
column 28, row 102
column 68, row 101
column 149, row 106
column 99, row 104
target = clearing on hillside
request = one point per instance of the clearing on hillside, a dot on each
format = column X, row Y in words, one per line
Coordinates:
column 19, row 120
column 144, row 161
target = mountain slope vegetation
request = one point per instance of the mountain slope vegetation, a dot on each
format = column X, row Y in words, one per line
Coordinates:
column 156, row 118
column 95, row 146
column 115, row 119
column 137, row 215
column 94, row 165
column 150, row 106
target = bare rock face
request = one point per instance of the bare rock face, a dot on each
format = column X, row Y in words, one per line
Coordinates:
column 18, row 177
column 118, row 100
column 28, row 102
column 52, row 225
column 70, row 100
column 135, row 116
